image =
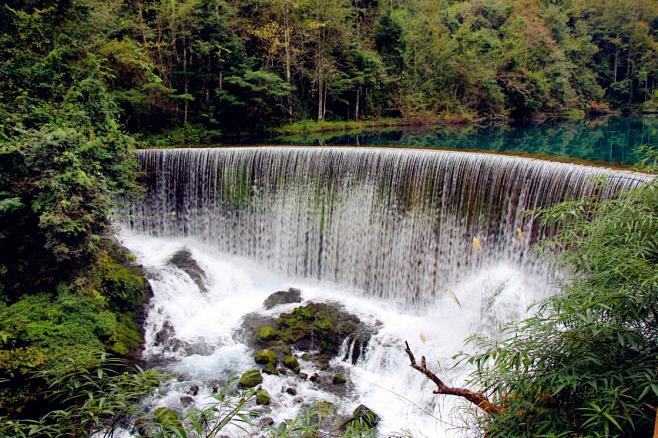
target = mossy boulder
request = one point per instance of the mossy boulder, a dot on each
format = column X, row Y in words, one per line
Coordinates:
column 250, row 378
column 316, row 326
column 268, row 359
column 263, row 397
column 290, row 362
column 168, row 420
column 316, row 329
column 339, row 379
column 265, row 356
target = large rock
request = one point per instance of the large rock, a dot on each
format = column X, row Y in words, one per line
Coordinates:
column 289, row 296
column 184, row 261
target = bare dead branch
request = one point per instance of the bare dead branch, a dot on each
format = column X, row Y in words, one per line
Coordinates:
column 477, row 398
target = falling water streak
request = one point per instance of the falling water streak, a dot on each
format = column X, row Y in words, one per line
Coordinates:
column 398, row 224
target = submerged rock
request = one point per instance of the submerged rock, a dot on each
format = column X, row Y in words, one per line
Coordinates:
column 184, row 261
column 289, row 296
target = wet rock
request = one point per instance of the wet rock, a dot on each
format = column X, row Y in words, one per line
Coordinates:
column 298, row 400
column 314, row 377
column 265, row 421
column 291, row 391
column 166, row 339
column 184, row 261
column 261, row 410
column 303, row 376
column 166, row 333
column 215, row 385
column 194, row 390
column 186, row 400
column 289, row 296
column 252, row 323
column 250, row 379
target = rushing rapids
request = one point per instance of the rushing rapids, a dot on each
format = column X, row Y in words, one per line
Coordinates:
column 403, row 225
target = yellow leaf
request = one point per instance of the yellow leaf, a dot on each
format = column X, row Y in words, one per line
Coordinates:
column 454, row 298
column 477, row 247
column 423, row 338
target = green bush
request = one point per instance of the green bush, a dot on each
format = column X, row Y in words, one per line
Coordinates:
column 585, row 364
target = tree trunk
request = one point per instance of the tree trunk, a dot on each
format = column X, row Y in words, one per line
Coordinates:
column 288, row 55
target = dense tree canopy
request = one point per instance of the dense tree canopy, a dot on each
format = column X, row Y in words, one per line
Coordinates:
column 238, row 66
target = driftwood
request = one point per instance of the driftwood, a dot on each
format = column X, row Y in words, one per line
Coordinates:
column 477, row 398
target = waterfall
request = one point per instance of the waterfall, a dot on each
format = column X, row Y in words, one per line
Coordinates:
column 403, row 225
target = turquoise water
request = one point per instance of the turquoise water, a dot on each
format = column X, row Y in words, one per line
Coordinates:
column 611, row 140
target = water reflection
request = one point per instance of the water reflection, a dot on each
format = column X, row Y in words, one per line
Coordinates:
column 611, row 139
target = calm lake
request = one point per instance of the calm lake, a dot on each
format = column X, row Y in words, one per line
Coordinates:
column 611, row 139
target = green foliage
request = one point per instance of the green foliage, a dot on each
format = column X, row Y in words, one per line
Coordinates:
column 42, row 331
column 226, row 409
column 585, row 364
column 94, row 396
column 185, row 135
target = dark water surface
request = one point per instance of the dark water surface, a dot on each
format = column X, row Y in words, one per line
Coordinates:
column 611, row 139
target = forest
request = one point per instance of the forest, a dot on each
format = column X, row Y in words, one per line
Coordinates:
column 84, row 83
column 191, row 70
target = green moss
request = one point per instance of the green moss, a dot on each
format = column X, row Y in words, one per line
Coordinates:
column 168, row 420
column 264, row 357
column 117, row 279
column 270, row 368
column 263, row 397
column 339, row 379
column 290, row 362
column 323, row 323
column 267, row 334
column 126, row 337
column 250, row 379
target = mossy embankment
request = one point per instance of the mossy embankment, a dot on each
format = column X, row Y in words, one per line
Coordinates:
column 97, row 312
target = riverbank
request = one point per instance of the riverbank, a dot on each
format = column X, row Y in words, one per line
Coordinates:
column 426, row 120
